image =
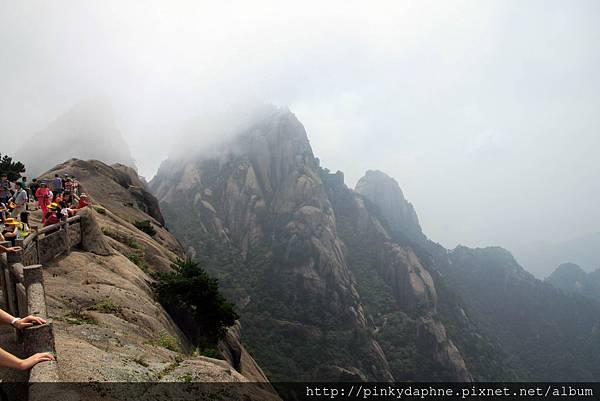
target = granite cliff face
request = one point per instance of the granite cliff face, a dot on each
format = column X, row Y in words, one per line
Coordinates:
column 395, row 284
column 507, row 324
column 385, row 192
column 322, row 282
column 259, row 216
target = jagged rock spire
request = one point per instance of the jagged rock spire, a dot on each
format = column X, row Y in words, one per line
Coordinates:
column 385, row 192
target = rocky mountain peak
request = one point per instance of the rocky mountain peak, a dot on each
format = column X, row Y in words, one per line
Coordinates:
column 568, row 277
column 570, row 269
column 294, row 248
column 265, row 144
column 384, row 191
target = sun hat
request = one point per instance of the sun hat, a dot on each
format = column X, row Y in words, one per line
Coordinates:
column 11, row 222
column 53, row 206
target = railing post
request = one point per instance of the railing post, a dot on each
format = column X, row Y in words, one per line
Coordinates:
column 3, row 267
column 32, row 274
column 12, row 258
column 36, row 240
column 36, row 297
column 3, row 285
column 41, row 339
column 65, row 227
column 80, row 231
column 21, row 293
column 19, row 243
column 12, row 302
column 11, row 295
column 15, row 257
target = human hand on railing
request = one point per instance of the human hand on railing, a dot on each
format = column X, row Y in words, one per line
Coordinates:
column 11, row 249
column 26, row 364
column 28, row 321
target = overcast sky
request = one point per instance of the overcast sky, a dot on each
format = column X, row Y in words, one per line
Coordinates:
column 486, row 112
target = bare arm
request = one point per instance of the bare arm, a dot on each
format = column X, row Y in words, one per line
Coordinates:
column 21, row 323
column 10, row 249
column 8, row 360
column 5, row 317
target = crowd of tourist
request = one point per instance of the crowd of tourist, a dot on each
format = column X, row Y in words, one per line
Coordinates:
column 57, row 198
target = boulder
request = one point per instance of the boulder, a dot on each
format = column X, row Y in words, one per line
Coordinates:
column 92, row 238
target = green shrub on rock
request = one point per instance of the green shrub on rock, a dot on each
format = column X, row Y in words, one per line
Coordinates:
column 192, row 297
column 145, row 226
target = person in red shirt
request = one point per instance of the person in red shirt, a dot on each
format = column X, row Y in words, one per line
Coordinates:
column 43, row 196
column 52, row 217
column 83, row 201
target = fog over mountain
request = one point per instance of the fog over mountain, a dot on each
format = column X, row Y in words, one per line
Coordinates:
column 86, row 131
column 486, row 113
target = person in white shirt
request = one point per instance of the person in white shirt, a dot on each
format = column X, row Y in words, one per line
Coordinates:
column 20, row 198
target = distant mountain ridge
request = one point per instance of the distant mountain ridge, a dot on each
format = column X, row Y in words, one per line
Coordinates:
column 542, row 258
column 544, row 333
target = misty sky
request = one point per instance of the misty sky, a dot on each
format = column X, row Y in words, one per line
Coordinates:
column 486, row 112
